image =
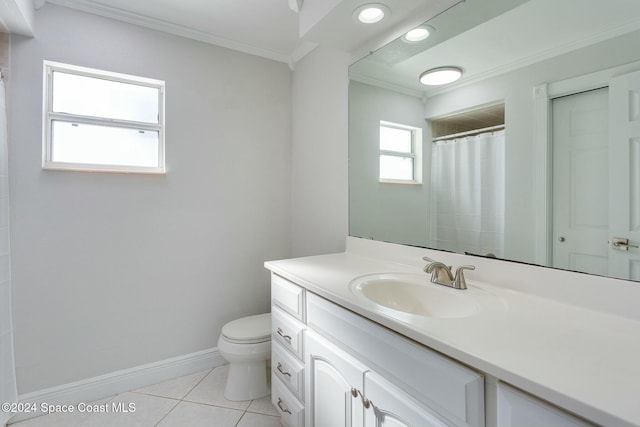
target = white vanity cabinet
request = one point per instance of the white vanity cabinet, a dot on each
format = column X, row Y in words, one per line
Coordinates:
column 332, row 368
column 346, row 393
column 385, row 379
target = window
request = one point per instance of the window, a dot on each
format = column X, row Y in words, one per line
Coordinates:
column 400, row 149
column 101, row 121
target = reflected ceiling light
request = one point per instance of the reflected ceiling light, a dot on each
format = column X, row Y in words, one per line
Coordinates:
column 440, row 76
column 295, row 5
column 371, row 13
column 418, row 34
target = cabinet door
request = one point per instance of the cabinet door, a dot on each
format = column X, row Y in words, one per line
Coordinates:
column 390, row 406
column 333, row 385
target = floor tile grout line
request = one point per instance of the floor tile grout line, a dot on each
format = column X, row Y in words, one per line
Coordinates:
column 167, row 414
column 137, row 391
column 198, row 383
column 178, row 401
column 217, row 405
column 92, row 415
column 181, row 400
column 240, row 419
column 154, row 395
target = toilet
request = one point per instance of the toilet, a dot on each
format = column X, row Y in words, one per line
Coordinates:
column 246, row 344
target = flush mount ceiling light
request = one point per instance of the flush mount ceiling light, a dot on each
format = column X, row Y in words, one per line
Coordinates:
column 371, row 13
column 418, row 34
column 440, row 76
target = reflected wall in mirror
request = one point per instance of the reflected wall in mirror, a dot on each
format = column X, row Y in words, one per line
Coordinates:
column 556, row 183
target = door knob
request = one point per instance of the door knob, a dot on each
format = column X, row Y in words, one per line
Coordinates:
column 561, row 239
column 621, row 244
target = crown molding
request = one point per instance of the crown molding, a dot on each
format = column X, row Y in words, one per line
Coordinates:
column 170, row 28
column 303, row 49
column 386, row 85
column 16, row 18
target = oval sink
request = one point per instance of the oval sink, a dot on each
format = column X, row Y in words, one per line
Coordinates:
column 405, row 296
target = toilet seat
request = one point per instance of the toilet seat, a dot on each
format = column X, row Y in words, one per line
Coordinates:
column 248, row 330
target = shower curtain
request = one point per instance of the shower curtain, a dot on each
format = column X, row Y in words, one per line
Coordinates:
column 8, row 392
column 467, row 194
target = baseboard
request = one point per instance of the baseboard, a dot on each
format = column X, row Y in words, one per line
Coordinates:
column 92, row 389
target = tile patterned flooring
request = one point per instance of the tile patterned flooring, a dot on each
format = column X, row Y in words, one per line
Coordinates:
column 191, row 401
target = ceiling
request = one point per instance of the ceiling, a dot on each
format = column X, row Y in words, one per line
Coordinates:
column 531, row 32
column 267, row 28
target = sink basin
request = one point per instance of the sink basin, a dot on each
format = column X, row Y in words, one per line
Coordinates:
column 408, row 296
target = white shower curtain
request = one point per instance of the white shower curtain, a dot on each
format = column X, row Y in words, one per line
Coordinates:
column 8, row 392
column 467, row 194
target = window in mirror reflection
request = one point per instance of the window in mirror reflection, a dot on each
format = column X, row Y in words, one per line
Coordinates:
column 399, row 153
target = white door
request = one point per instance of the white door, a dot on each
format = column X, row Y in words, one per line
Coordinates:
column 624, row 163
column 581, row 182
column 390, row 406
column 334, row 385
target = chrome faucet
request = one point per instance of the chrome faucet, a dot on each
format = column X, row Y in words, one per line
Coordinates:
column 441, row 274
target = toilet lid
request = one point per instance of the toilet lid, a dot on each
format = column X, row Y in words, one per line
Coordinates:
column 249, row 329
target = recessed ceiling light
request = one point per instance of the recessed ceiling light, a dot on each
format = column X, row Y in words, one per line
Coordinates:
column 440, row 76
column 371, row 13
column 418, row 34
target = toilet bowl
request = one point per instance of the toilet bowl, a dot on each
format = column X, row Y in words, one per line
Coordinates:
column 246, row 344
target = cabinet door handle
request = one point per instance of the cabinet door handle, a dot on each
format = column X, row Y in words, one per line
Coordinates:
column 283, row 372
column 282, row 334
column 365, row 402
column 283, row 408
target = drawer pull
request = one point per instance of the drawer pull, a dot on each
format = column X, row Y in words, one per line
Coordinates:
column 282, row 408
column 279, row 368
column 282, row 334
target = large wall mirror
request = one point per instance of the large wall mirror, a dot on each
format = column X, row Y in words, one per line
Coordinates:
column 532, row 155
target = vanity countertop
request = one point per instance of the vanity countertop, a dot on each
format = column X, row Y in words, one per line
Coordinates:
column 581, row 359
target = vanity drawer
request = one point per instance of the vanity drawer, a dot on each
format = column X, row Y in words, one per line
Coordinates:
column 290, row 409
column 449, row 388
column 288, row 296
column 288, row 369
column 287, row 331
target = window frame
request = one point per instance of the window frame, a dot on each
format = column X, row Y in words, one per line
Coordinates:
column 49, row 116
column 415, row 155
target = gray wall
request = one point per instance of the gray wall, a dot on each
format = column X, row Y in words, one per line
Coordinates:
column 112, row 271
column 319, row 158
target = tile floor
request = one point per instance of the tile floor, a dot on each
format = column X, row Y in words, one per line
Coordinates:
column 190, row 401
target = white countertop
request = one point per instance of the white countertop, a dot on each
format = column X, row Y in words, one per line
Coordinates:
column 580, row 359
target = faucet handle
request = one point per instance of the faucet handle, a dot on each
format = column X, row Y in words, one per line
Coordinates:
column 459, row 281
column 432, row 261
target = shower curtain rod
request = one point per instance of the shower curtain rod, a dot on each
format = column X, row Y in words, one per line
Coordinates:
column 468, row 133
